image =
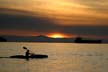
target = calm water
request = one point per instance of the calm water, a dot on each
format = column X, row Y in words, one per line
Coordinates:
column 63, row 57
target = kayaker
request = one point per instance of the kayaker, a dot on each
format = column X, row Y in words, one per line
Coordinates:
column 27, row 52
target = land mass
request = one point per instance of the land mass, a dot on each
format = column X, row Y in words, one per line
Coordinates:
column 2, row 39
column 40, row 38
column 43, row 38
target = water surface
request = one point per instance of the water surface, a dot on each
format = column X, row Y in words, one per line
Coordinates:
column 63, row 57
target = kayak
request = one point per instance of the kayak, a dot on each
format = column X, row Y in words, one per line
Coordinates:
column 31, row 56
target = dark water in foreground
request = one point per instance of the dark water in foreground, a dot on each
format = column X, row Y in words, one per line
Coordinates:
column 63, row 57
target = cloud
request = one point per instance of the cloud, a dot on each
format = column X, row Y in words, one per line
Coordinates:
column 94, row 5
column 26, row 21
column 62, row 12
column 86, row 30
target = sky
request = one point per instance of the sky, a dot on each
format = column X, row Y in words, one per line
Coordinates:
column 69, row 17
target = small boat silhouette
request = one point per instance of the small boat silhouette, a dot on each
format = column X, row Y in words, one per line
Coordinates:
column 31, row 56
column 34, row 56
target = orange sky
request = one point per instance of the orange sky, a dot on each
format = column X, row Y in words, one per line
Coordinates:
column 64, row 12
column 51, row 16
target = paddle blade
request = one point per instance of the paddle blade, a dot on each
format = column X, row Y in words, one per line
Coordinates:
column 24, row 48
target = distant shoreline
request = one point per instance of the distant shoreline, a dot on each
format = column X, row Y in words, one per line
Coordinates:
column 45, row 39
column 53, row 42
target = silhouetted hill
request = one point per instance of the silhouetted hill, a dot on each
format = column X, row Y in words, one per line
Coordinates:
column 42, row 38
column 2, row 39
column 81, row 40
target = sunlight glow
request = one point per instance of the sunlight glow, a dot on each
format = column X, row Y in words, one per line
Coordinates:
column 56, row 36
